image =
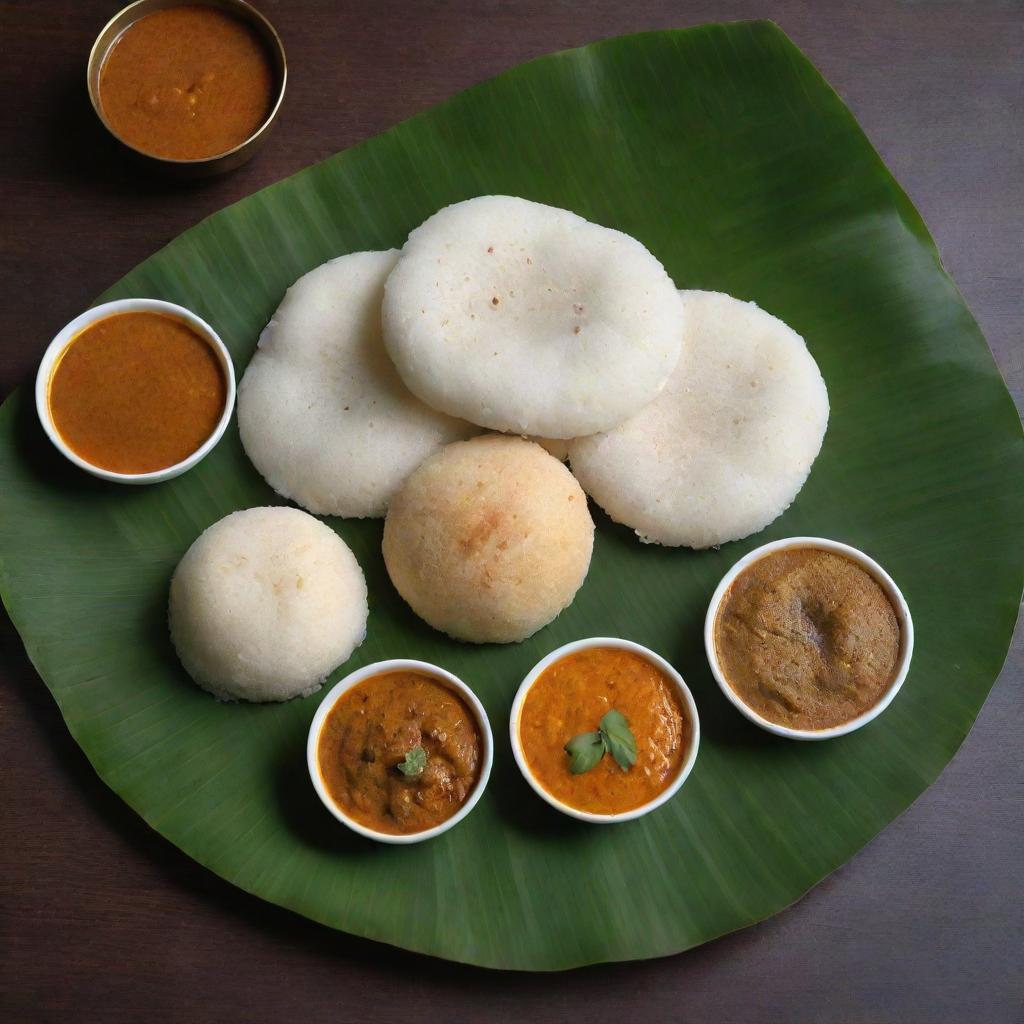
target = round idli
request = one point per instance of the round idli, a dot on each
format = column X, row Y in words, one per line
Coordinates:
column 728, row 444
column 265, row 604
column 489, row 539
column 322, row 413
column 529, row 319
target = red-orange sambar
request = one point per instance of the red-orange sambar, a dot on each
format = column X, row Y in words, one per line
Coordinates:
column 572, row 696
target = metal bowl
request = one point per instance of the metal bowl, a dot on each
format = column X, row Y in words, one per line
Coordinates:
column 202, row 166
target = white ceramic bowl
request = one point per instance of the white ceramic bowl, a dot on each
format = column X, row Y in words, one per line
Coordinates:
column 656, row 660
column 90, row 316
column 399, row 665
column 884, row 580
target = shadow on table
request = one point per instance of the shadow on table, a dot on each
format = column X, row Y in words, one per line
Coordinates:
column 79, row 150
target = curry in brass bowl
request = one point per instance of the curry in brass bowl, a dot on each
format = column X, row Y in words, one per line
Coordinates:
column 190, row 86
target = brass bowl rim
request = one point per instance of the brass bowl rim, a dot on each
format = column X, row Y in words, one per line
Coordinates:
column 94, row 97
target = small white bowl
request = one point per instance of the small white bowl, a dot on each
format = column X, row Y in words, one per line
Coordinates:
column 378, row 668
column 659, row 663
column 86, row 319
column 884, row 580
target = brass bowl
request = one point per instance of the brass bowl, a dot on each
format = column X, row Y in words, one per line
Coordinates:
column 207, row 165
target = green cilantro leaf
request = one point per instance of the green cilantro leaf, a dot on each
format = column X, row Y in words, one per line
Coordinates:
column 619, row 739
column 584, row 751
column 414, row 763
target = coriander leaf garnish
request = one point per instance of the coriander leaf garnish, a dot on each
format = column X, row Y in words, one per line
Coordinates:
column 584, row 751
column 613, row 736
column 414, row 763
column 619, row 739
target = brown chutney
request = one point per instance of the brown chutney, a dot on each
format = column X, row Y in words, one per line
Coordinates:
column 371, row 730
column 807, row 638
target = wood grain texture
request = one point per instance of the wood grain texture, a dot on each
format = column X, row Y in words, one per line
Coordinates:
column 103, row 920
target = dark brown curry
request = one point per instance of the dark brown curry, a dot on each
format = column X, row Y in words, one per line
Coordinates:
column 378, row 727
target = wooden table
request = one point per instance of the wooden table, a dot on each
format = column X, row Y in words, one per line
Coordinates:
column 103, row 920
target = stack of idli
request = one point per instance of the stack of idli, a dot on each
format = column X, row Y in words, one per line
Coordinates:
column 525, row 318
column 691, row 417
column 322, row 412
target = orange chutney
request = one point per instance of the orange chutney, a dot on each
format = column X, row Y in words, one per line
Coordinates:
column 187, row 83
column 372, row 729
column 571, row 696
column 137, row 392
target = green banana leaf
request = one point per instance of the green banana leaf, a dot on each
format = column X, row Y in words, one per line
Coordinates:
column 727, row 154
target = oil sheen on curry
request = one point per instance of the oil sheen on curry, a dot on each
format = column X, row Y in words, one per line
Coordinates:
column 807, row 638
column 400, row 752
column 137, row 392
column 570, row 699
column 187, row 83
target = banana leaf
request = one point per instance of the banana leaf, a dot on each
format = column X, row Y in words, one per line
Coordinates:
column 728, row 155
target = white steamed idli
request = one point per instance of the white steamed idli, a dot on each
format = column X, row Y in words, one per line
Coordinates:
column 489, row 539
column 265, row 604
column 322, row 413
column 529, row 319
column 728, row 444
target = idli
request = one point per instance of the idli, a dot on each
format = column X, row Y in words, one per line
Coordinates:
column 529, row 319
column 265, row 604
column 728, row 444
column 322, row 413
column 489, row 539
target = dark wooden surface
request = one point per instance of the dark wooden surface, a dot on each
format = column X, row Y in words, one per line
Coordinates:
column 103, row 920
